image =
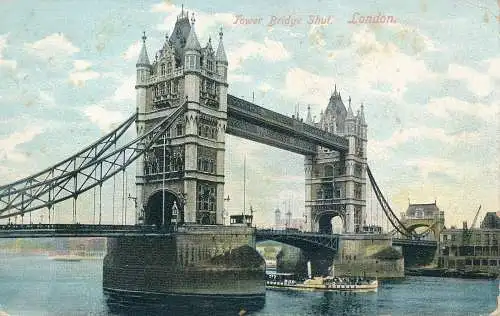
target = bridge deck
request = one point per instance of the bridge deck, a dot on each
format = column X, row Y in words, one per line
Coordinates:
column 79, row 230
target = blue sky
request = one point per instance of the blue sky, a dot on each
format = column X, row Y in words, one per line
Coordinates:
column 429, row 82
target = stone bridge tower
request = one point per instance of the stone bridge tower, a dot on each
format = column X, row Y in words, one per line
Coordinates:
column 336, row 181
column 185, row 169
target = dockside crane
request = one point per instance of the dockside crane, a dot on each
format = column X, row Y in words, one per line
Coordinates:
column 468, row 231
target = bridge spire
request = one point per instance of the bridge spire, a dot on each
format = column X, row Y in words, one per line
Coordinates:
column 143, row 59
column 221, row 52
column 192, row 42
column 362, row 115
column 309, row 118
column 350, row 115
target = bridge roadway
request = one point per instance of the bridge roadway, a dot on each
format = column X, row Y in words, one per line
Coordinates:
column 299, row 239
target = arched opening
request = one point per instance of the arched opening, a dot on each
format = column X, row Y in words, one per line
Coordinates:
column 422, row 231
column 331, row 223
column 337, row 225
column 156, row 205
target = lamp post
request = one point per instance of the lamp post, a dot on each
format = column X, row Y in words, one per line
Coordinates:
column 225, row 213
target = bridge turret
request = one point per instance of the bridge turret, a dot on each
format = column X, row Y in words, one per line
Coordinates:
column 143, row 69
column 221, row 58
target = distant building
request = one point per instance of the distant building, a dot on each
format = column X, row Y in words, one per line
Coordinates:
column 422, row 210
column 491, row 220
column 472, row 249
column 287, row 222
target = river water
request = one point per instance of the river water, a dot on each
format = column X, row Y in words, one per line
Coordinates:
column 35, row 285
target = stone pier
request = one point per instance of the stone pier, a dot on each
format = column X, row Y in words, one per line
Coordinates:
column 368, row 255
column 199, row 261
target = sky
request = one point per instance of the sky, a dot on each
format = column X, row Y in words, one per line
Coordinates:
column 429, row 81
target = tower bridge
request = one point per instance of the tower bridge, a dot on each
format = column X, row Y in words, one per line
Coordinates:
column 183, row 113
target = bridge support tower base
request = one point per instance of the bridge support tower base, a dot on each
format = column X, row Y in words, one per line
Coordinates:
column 370, row 256
column 198, row 261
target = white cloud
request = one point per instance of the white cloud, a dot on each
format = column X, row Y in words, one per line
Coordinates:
column 429, row 165
column 80, row 77
column 9, row 144
column 204, row 21
column 52, row 47
column 105, row 119
column 307, row 87
column 239, row 78
column 47, row 99
column 494, row 67
column 447, row 106
column 264, row 87
column 477, row 82
column 386, row 64
column 82, row 73
column 126, row 91
column 5, row 62
column 132, row 52
column 81, row 65
column 380, row 149
column 269, row 51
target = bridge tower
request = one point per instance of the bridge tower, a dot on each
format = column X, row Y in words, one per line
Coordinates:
column 186, row 166
column 335, row 182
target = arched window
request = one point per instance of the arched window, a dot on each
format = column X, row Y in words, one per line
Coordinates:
column 162, row 71
column 179, row 130
column 169, row 67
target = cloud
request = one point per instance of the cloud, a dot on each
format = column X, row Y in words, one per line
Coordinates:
column 478, row 83
column 306, row 86
column 447, row 107
column 9, row 144
column 132, row 52
column 102, row 117
column 204, row 21
column 430, row 165
column 81, row 73
column 5, row 62
column 384, row 63
column 494, row 67
column 380, row 149
column 238, row 78
column 269, row 51
column 52, row 47
column 126, row 91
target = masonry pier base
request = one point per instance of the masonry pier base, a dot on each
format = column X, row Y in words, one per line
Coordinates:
column 198, row 262
column 370, row 256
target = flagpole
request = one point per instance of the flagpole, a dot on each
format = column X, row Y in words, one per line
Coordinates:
column 163, row 184
column 244, row 183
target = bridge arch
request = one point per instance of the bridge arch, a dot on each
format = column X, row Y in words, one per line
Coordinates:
column 153, row 211
column 326, row 220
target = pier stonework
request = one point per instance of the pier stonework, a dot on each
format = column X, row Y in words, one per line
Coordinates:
column 370, row 256
column 198, row 261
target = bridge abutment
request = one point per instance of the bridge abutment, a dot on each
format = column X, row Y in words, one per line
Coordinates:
column 200, row 261
column 368, row 255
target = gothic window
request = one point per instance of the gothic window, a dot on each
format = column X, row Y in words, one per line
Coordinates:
column 200, row 128
column 179, row 129
column 358, row 170
column 162, row 72
column 169, row 67
column 328, row 171
column 206, row 197
column 162, row 89
column 357, row 191
column 210, row 65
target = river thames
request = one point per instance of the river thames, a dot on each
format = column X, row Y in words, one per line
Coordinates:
column 35, row 285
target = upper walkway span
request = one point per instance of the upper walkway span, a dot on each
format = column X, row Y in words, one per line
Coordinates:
column 248, row 120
